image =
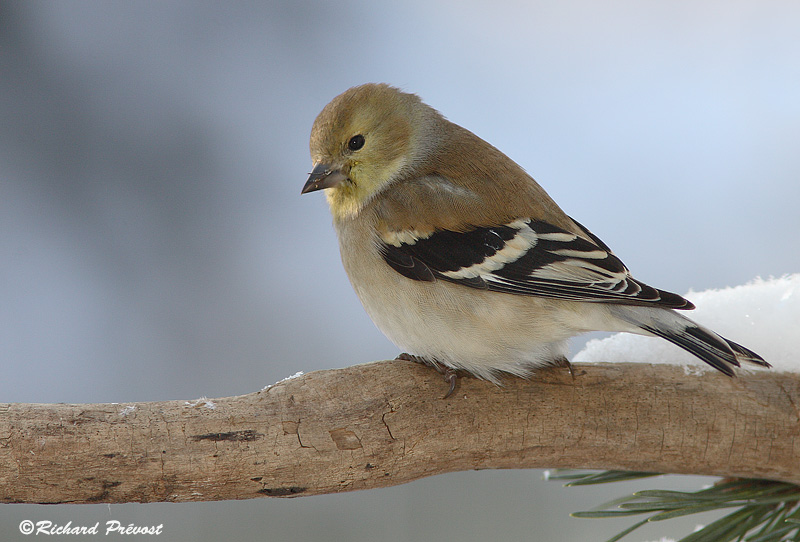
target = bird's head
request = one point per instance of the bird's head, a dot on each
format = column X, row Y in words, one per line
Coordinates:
column 362, row 141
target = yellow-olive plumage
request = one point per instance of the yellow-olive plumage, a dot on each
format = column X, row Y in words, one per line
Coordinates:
column 461, row 258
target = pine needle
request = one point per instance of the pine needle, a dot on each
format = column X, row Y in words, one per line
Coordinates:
column 764, row 510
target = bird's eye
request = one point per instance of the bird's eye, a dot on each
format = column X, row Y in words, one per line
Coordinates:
column 356, row 142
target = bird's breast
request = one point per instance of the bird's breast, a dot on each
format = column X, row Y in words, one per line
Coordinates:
column 478, row 330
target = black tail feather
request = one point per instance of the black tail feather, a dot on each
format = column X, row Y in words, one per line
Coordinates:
column 711, row 348
column 747, row 354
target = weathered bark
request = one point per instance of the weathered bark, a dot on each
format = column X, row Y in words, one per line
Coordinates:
column 387, row 423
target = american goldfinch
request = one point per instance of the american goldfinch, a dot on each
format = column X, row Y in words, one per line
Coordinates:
column 462, row 259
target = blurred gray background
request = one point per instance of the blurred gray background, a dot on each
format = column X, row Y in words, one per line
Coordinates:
column 154, row 244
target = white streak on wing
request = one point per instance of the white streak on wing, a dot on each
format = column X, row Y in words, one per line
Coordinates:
column 577, row 271
column 561, row 271
column 497, row 280
column 520, row 224
column 589, row 266
column 561, row 237
column 405, row 237
column 513, row 249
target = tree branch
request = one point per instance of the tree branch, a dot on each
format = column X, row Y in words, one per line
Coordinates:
column 386, row 423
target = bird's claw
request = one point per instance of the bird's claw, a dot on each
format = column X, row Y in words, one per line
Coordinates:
column 450, row 375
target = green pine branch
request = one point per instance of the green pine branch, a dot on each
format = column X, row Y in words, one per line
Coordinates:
column 764, row 510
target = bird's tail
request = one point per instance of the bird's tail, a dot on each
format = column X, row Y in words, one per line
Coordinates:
column 710, row 347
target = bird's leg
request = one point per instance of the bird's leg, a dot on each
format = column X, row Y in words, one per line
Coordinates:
column 562, row 361
column 450, row 375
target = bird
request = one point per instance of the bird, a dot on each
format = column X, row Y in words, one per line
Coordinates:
column 462, row 259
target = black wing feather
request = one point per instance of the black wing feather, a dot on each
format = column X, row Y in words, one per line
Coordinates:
column 556, row 264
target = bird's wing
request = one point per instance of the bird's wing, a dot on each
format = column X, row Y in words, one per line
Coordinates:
column 525, row 257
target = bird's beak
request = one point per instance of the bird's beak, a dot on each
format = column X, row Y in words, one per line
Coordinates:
column 323, row 176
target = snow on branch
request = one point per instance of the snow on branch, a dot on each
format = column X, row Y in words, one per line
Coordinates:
column 763, row 315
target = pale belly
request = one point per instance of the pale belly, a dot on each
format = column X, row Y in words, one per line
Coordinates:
column 477, row 330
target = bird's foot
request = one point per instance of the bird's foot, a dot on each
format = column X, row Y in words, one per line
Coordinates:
column 562, row 361
column 449, row 374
